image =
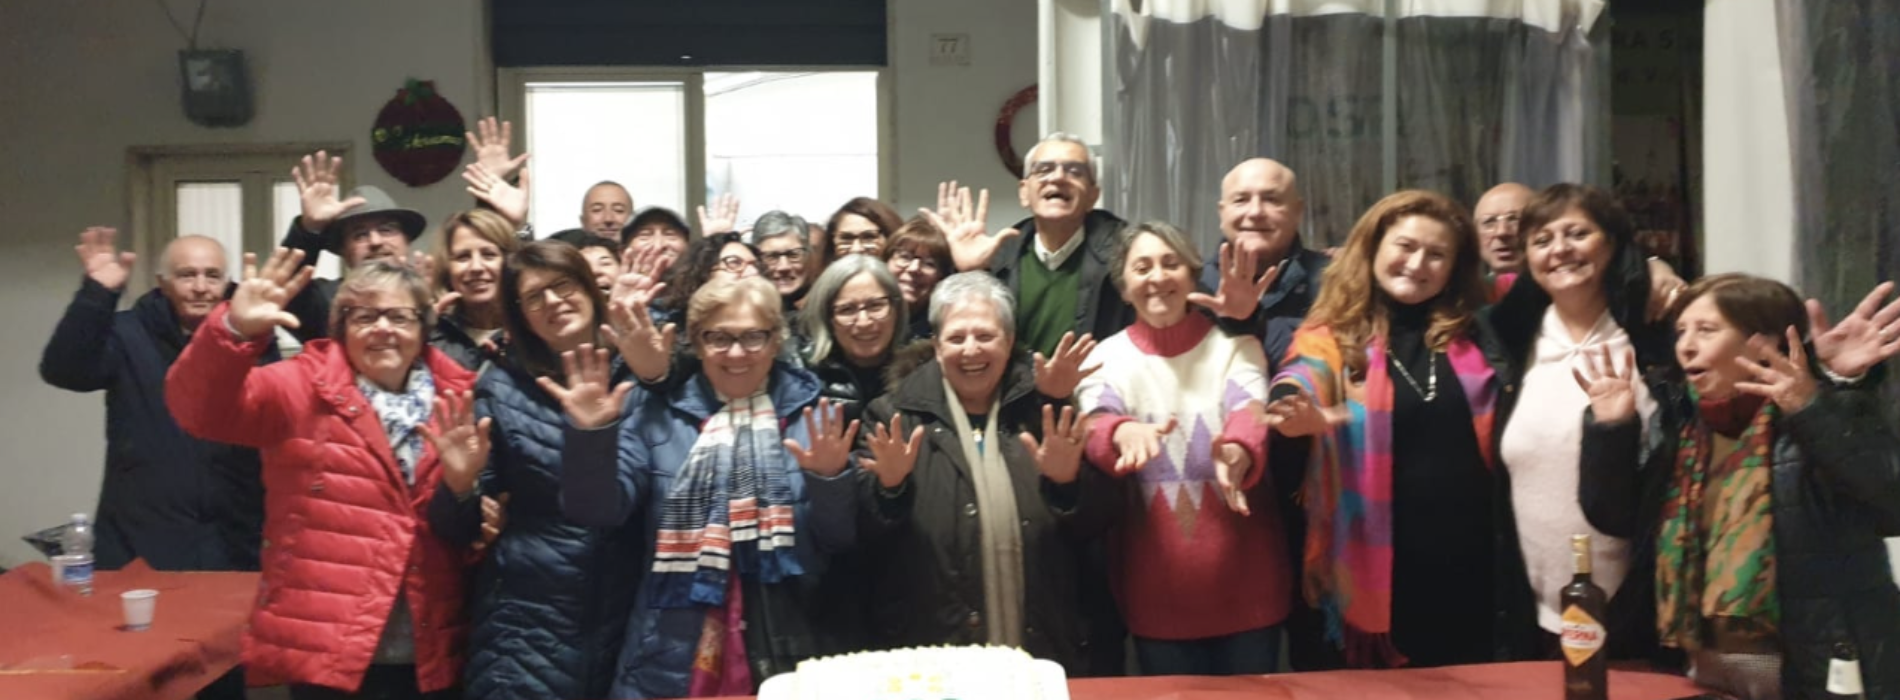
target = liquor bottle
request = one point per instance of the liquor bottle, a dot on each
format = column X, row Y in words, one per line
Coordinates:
column 1586, row 661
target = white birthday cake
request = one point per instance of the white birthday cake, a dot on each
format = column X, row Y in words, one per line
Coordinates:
column 941, row 673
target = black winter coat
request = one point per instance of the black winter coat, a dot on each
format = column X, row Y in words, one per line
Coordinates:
column 1836, row 493
column 926, row 585
column 180, row 503
column 1099, row 308
column 552, row 598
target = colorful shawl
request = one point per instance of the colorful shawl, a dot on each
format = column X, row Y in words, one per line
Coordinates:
column 1715, row 558
column 729, row 509
column 1348, row 489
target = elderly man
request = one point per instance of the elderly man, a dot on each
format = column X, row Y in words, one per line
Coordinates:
column 1060, row 275
column 1264, row 279
column 784, row 242
column 1496, row 215
column 606, row 209
column 366, row 226
column 178, row 502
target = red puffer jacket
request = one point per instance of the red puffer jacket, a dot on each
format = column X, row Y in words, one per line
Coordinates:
column 342, row 533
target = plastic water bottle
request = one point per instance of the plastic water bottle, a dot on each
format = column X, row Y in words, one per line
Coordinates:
column 76, row 550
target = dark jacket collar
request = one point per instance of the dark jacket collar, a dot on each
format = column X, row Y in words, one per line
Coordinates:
column 923, row 391
column 1098, row 229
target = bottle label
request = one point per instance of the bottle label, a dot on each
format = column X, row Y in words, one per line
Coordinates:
column 1843, row 676
column 1582, row 635
column 77, row 571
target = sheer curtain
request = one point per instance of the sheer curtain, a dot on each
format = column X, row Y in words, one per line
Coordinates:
column 1487, row 91
column 1842, row 85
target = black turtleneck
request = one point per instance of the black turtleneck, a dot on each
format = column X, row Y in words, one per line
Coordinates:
column 1442, row 501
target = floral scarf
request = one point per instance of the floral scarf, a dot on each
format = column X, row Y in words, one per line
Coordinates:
column 1348, row 489
column 1715, row 567
column 400, row 414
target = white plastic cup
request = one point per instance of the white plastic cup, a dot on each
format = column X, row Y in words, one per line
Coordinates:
column 139, row 606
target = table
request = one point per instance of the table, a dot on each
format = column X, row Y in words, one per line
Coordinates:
column 1539, row 680
column 59, row 645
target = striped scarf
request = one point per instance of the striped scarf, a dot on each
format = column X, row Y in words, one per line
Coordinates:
column 1348, row 489
column 729, row 509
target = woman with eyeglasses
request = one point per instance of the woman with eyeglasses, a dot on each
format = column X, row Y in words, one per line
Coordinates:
column 551, row 598
column 718, row 256
column 919, row 256
column 855, row 318
column 361, row 597
column 732, row 478
column 863, row 226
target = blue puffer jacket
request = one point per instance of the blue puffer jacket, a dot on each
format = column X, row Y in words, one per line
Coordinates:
column 620, row 475
column 550, row 602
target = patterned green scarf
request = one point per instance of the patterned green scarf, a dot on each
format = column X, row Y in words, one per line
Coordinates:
column 1715, row 568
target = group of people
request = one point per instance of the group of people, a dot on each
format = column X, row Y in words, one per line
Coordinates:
column 644, row 460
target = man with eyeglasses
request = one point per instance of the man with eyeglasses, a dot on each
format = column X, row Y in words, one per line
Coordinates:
column 1496, row 216
column 178, row 502
column 1056, row 261
column 365, row 226
column 784, row 243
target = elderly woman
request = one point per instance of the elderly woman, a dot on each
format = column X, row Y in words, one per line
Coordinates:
column 551, row 600
column 973, row 498
column 469, row 254
column 785, row 247
column 360, row 596
column 919, row 255
column 1765, row 499
column 1178, row 389
column 854, row 318
column 1396, row 385
column 861, row 227
column 732, row 482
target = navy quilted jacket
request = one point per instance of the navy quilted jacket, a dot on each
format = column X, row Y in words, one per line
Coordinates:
column 551, row 600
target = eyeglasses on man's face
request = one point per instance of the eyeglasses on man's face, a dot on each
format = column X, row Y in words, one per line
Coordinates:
column 1073, row 169
column 1496, row 220
column 795, row 256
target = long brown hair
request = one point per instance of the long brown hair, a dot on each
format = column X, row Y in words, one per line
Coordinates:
column 531, row 352
column 1353, row 305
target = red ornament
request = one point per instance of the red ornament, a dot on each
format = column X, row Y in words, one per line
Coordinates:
column 1005, row 149
column 418, row 137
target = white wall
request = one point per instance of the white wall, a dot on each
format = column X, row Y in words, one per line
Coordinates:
column 944, row 114
column 84, row 80
column 1748, row 176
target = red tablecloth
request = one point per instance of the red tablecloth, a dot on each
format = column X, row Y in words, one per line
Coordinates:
column 1520, row 681
column 59, row 645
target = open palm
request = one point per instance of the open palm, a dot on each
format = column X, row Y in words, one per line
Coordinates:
column 589, row 398
column 1611, row 388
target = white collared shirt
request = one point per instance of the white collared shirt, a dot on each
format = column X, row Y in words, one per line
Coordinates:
column 1054, row 259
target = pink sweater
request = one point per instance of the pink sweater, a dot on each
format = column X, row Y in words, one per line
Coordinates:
column 1184, row 565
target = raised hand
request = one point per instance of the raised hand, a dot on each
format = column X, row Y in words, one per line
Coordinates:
column 490, row 142
column 1298, row 416
column 965, row 223
column 99, row 253
column 1867, row 337
column 1059, row 453
column 1231, row 465
column 510, row 201
column 1057, row 378
column 723, row 217
column 1239, row 293
column 494, row 520
column 1611, row 388
column 586, row 398
column 1783, row 379
column 257, row 306
column 1664, row 287
column 317, row 178
column 1138, row 444
column 893, row 456
column 647, row 349
column 461, row 444
column 831, row 440
column 650, row 261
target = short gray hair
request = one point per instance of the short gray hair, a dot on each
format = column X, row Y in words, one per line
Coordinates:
column 1061, row 137
column 965, row 287
column 815, row 318
column 378, row 275
column 773, row 224
column 1170, row 236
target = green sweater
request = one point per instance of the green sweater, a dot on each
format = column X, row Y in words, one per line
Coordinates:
column 1045, row 307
